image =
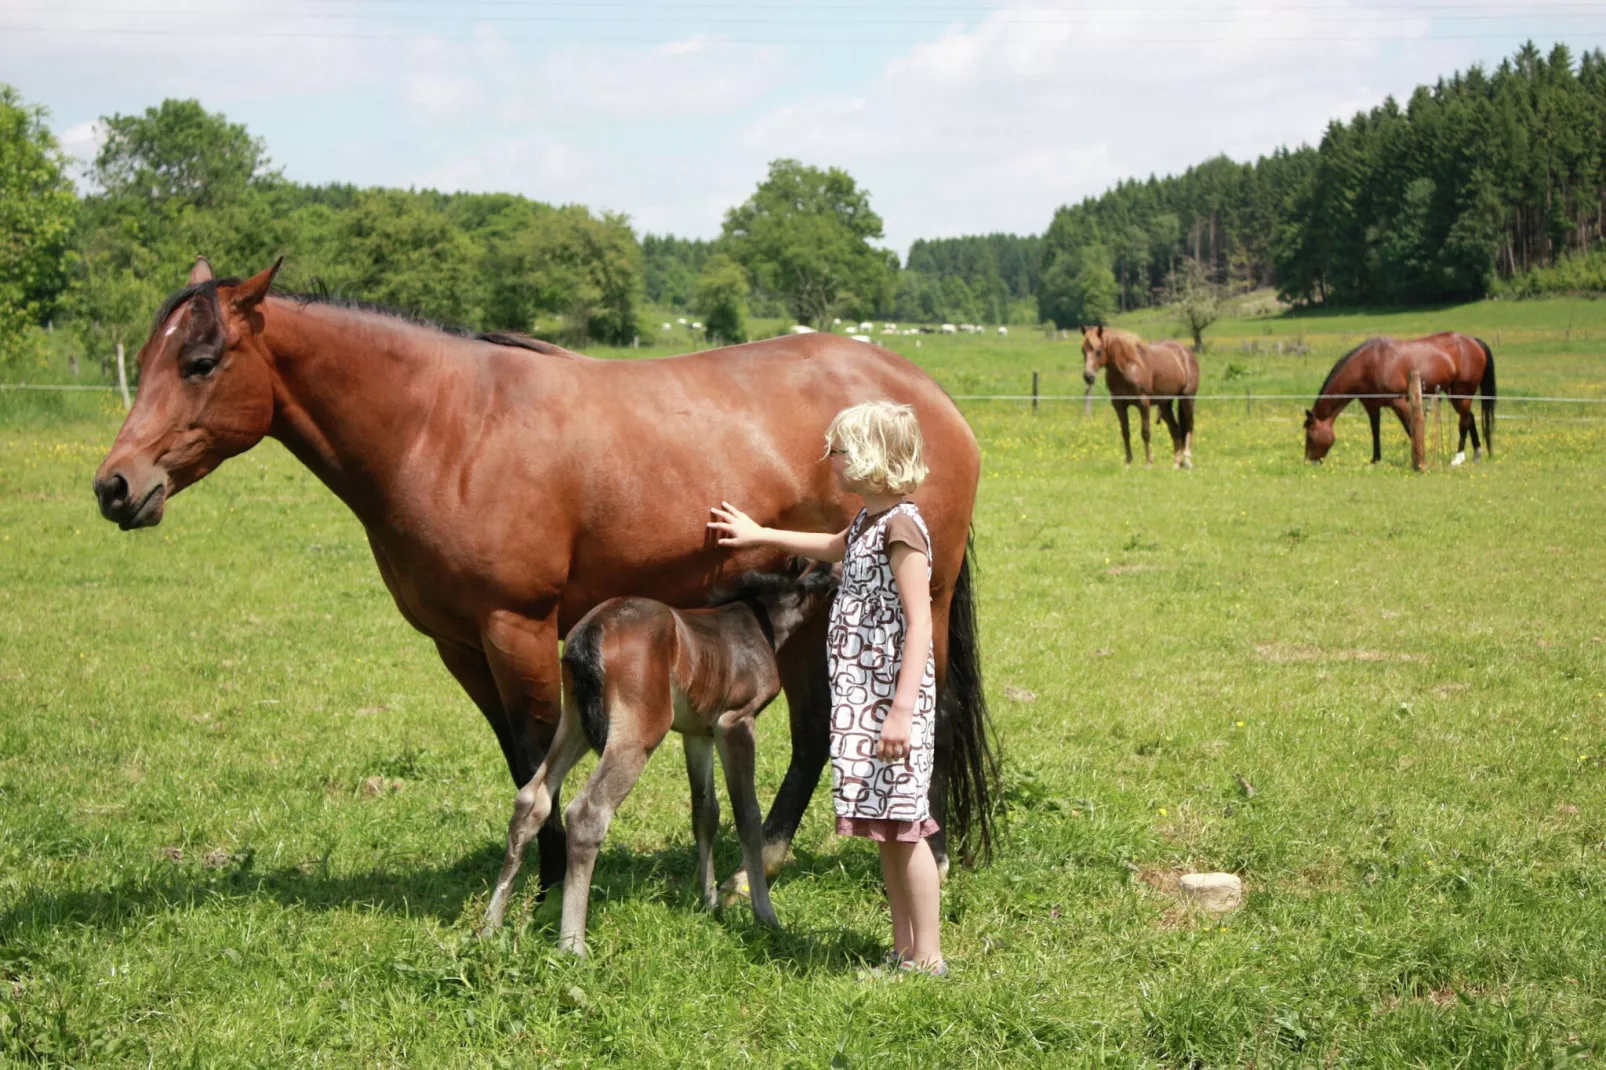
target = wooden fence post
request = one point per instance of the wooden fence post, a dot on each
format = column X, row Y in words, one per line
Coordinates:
column 1438, row 430
column 122, row 378
column 1034, row 391
column 1418, row 424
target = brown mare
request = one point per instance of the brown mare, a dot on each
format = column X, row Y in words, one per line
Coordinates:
column 1377, row 373
column 1140, row 374
column 632, row 670
column 507, row 486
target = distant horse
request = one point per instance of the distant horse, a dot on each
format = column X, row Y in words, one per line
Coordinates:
column 1139, row 374
column 632, row 670
column 1378, row 372
column 507, row 486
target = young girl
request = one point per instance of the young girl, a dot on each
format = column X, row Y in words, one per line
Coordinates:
column 883, row 677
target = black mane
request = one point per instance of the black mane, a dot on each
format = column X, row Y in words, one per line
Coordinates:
column 322, row 295
column 1341, row 362
column 767, row 586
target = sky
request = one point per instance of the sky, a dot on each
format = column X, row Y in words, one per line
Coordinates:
column 959, row 118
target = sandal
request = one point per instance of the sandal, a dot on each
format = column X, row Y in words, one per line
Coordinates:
column 910, row 966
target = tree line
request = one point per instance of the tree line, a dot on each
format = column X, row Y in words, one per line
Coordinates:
column 1483, row 182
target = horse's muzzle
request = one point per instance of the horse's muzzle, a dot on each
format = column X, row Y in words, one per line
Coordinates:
column 125, row 508
column 1088, row 377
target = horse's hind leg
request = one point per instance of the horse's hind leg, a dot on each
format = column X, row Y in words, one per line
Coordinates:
column 1469, row 426
column 1185, row 410
column 704, row 811
column 531, row 808
column 589, row 816
column 734, row 737
column 1170, row 419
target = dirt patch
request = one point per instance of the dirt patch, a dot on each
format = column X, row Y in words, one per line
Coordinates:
column 1446, row 690
column 1127, row 570
column 1283, row 652
column 1019, row 694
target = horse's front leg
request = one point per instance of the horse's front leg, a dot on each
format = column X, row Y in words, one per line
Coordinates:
column 1126, row 428
column 808, row 699
column 1374, row 415
column 1143, row 411
column 522, row 654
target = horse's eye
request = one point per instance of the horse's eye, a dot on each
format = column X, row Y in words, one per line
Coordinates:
column 200, row 368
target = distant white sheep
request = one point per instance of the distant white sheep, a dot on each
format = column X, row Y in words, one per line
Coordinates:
column 948, row 328
column 802, row 328
column 697, row 326
column 860, row 337
column 866, row 328
column 681, row 321
column 1003, row 330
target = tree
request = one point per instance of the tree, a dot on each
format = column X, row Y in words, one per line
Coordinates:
column 1194, row 300
column 37, row 216
column 178, row 151
column 804, row 235
column 1079, row 287
column 720, row 298
column 569, row 263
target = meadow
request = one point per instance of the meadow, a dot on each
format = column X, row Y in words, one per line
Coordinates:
column 246, row 818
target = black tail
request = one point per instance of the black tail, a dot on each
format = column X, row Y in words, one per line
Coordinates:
column 973, row 782
column 1487, row 389
column 1185, row 417
column 582, row 656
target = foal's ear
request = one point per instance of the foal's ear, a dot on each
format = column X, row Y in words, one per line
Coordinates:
column 201, row 272
column 250, row 293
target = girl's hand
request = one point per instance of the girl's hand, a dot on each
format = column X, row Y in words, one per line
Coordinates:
column 894, row 743
column 734, row 528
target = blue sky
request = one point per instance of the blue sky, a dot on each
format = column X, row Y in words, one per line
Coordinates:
column 958, row 117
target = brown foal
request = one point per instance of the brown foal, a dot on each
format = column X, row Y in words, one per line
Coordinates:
column 633, row 669
column 1142, row 374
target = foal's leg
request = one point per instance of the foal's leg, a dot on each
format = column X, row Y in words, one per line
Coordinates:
column 531, row 807
column 1469, row 426
column 631, row 740
column 704, row 811
column 1374, row 415
column 1126, row 429
column 733, row 735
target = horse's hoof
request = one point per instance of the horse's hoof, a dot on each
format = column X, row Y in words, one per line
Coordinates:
column 1458, row 459
column 942, row 870
column 735, row 889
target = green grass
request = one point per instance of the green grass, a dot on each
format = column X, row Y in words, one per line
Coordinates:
column 1409, row 669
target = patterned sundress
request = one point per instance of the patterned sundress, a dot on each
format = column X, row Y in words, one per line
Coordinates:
column 882, row 800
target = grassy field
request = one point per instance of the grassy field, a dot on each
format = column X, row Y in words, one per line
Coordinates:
column 198, row 865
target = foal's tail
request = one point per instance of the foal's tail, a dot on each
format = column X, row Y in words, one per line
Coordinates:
column 582, row 658
column 973, row 782
column 1487, row 389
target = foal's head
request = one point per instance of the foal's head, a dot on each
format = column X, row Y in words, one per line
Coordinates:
column 788, row 598
column 205, row 394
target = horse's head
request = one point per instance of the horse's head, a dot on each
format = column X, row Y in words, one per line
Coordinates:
column 1093, row 341
column 205, row 394
column 1318, row 437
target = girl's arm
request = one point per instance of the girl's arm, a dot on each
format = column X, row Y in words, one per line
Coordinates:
column 914, row 591
column 737, row 530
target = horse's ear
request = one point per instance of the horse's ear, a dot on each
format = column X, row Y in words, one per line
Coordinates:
column 1099, row 330
column 1310, row 417
column 250, row 293
column 201, row 272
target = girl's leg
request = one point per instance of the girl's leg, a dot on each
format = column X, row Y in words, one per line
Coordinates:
column 923, row 901
column 894, row 871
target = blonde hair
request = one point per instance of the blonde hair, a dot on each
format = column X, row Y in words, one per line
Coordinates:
column 883, row 444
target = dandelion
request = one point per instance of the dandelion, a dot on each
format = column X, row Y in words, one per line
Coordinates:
column 1430, row 861
column 1240, row 724
column 1163, row 812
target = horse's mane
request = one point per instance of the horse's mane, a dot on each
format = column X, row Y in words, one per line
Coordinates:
column 321, row 295
column 1340, row 365
column 768, row 585
column 1120, row 337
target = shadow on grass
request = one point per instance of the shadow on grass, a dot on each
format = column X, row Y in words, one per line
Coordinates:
column 452, row 893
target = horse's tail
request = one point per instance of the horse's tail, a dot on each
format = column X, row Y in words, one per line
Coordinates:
column 973, row 781
column 582, row 658
column 1487, row 389
column 1185, row 415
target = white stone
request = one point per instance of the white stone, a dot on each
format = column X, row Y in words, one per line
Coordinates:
column 1217, row 893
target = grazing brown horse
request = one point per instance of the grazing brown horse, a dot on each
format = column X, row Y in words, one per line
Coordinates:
column 1377, row 373
column 632, row 670
column 1139, row 374
column 507, row 486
